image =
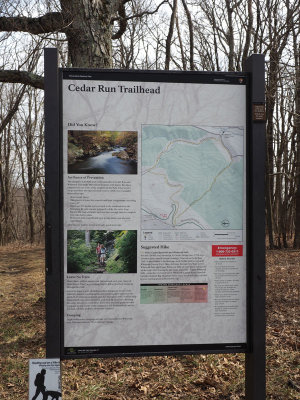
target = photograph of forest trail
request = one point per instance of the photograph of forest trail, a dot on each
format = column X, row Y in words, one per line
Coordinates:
column 102, row 251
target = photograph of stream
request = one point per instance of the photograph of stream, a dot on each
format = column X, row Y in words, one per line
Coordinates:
column 102, row 152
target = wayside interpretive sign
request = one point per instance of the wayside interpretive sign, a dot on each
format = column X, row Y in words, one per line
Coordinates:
column 154, row 213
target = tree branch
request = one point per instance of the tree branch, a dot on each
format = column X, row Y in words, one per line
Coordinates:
column 122, row 18
column 122, row 22
column 12, row 111
column 27, row 78
column 142, row 13
column 49, row 22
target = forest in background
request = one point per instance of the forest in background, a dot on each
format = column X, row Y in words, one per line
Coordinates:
column 211, row 35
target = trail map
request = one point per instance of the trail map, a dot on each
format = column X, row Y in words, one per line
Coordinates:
column 192, row 177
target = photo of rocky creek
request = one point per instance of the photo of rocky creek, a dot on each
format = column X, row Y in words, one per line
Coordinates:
column 102, row 152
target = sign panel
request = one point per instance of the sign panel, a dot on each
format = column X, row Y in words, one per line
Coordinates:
column 154, row 212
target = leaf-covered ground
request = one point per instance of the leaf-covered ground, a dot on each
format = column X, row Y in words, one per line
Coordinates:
column 22, row 336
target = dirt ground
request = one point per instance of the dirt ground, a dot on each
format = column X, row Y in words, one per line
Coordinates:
column 22, row 336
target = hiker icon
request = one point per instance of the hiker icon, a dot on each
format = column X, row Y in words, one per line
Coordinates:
column 39, row 382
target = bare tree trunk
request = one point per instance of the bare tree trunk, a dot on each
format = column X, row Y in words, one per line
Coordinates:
column 183, row 60
column 248, row 32
column 29, row 148
column 191, row 34
column 6, row 164
column 297, row 135
column 87, row 239
column 170, row 35
column 89, row 31
column 230, row 37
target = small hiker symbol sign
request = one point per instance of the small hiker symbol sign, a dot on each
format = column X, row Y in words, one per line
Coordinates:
column 44, row 379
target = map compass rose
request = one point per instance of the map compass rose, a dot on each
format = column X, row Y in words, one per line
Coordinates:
column 225, row 223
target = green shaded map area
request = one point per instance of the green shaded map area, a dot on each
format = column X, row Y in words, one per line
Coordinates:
column 192, row 177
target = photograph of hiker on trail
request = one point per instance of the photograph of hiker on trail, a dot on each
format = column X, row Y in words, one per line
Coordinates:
column 102, row 152
column 103, row 252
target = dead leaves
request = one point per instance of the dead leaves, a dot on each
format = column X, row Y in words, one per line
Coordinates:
column 144, row 389
column 204, row 383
